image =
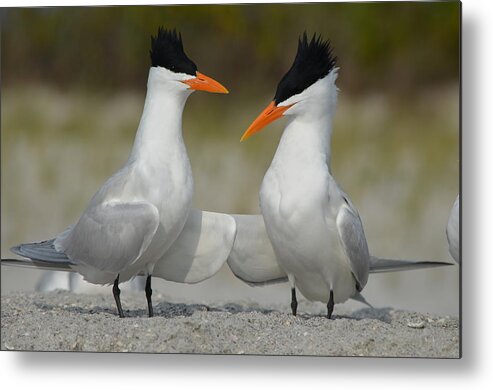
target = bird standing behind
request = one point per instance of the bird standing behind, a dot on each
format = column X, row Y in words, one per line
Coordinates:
column 453, row 236
column 314, row 228
column 138, row 213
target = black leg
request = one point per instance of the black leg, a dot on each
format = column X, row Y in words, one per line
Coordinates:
column 116, row 294
column 330, row 305
column 294, row 302
column 148, row 295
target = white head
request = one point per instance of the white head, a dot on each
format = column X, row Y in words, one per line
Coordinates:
column 307, row 90
column 173, row 70
column 317, row 100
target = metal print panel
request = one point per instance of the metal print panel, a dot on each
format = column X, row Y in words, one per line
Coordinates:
column 134, row 219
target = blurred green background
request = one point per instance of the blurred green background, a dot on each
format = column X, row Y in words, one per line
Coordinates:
column 396, row 47
column 74, row 82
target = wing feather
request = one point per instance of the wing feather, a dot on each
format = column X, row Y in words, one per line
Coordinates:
column 111, row 236
column 252, row 258
column 200, row 250
column 353, row 240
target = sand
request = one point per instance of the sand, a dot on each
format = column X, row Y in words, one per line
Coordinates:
column 64, row 321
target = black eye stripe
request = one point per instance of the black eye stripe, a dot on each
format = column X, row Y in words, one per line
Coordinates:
column 314, row 60
column 167, row 52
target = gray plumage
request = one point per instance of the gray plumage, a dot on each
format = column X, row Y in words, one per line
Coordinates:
column 111, row 236
column 353, row 240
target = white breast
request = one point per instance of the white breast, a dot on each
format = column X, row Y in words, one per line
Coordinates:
column 300, row 222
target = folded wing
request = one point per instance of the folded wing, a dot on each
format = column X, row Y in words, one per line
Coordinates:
column 110, row 236
column 200, row 250
column 353, row 240
column 252, row 258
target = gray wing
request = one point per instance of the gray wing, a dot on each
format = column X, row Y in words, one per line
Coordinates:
column 452, row 231
column 252, row 258
column 200, row 250
column 353, row 240
column 111, row 236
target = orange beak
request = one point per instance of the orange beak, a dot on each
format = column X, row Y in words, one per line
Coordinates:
column 205, row 83
column 270, row 114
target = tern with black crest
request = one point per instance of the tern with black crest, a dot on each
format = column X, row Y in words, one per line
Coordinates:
column 314, row 228
column 139, row 212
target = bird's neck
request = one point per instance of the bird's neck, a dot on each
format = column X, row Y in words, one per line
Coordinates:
column 306, row 141
column 160, row 128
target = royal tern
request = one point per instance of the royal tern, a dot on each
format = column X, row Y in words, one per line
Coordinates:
column 314, row 228
column 134, row 218
column 453, row 231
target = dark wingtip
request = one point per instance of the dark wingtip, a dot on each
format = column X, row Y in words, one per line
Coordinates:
column 17, row 250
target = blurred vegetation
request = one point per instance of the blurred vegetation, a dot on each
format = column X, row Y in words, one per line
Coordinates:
column 396, row 47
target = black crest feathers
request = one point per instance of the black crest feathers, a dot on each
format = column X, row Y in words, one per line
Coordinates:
column 167, row 52
column 314, row 60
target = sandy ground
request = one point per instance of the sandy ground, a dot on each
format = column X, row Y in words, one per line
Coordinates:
column 63, row 321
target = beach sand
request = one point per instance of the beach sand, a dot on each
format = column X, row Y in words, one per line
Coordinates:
column 64, row 321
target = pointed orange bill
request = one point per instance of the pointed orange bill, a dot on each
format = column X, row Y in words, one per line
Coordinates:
column 205, row 83
column 270, row 114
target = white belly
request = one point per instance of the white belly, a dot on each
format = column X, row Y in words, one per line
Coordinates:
column 306, row 243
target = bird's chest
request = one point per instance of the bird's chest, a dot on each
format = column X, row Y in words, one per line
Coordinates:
column 294, row 208
column 291, row 196
column 169, row 187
